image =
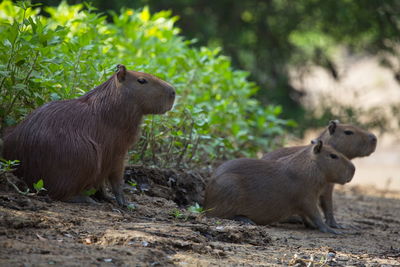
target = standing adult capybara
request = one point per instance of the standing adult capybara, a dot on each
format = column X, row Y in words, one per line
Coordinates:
column 350, row 140
column 79, row 144
column 266, row 191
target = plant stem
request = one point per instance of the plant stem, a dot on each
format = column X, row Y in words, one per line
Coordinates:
column 23, row 82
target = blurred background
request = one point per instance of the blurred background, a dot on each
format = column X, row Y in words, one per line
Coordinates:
column 301, row 53
column 318, row 60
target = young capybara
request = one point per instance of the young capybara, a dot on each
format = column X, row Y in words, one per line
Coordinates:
column 79, row 144
column 350, row 140
column 267, row 191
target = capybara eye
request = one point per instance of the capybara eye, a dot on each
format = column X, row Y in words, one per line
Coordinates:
column 333, row 156
column 142, row 80
column 348, row 132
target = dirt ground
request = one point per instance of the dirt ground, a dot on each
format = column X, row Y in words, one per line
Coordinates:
column 35, row 231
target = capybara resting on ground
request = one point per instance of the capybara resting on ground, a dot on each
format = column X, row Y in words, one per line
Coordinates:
column 350, row 140
column 78, row 144
column 267, row 191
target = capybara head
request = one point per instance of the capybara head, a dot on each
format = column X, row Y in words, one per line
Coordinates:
column 350, row 140
column 153, row 95
column 336, row 167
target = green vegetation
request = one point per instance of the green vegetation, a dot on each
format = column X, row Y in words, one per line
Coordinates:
column 90, row 192
column 7, row 166
column 74, row 48
column 177, row 214
column 39, row 186
column 184, row 215
column 272, row 38
column 196, row 208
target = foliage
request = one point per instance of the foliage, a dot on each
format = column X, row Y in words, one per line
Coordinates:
column 131, row 206
column 90, row 192
column 271, row 38
column 39, row 186
column 73, row 49
column 178, row 214
column 7, row 165
column 196, row 208
column 184, row 215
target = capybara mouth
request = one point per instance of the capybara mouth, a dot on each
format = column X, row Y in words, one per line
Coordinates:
column 169, row 107
column 164, row 110
column 369, row 152
column 345, row 181
column 348, row 180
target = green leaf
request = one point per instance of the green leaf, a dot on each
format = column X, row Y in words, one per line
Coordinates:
column 90, row 192
column 196, row 208
column 39, row 185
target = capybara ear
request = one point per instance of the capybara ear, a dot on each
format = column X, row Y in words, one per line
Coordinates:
column 121, row 72
column 317, row 147
column 332, row 126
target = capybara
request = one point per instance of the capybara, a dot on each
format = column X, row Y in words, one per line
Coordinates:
column 350, row 140
column 267, row 191
column 79, row 144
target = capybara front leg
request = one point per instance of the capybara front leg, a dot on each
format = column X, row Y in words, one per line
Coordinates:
column 327, row 206
column 314, row 216
column 308, row 223
column 101, row 195
column 116, row 187
column 117, row 181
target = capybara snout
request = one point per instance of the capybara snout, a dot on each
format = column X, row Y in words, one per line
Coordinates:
column 373, row 140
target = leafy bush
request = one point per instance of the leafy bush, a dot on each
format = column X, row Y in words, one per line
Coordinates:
column 74, row 49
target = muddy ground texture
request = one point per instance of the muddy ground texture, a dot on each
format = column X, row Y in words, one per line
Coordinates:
column 35, row 231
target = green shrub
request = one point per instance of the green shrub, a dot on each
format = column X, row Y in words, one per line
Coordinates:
column 74, row 49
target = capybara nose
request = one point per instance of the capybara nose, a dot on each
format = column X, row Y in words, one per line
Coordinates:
column 373, row 139
column 172, row 94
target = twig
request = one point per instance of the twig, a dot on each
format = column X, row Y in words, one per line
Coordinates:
column 183, row 152
column 18, row 190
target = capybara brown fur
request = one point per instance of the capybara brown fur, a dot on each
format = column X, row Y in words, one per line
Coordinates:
column 267, row 191
column 79, row 144
column 350, row 140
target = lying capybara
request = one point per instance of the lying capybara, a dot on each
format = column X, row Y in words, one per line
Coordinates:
column 267, row 191
column 350, row 140
column 78, row 144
